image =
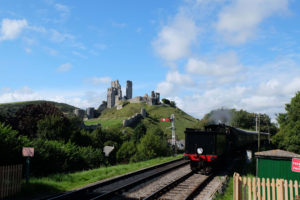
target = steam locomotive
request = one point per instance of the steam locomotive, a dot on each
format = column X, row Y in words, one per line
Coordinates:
column 206, row 148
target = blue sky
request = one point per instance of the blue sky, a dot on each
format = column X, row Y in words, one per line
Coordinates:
column 204, row 54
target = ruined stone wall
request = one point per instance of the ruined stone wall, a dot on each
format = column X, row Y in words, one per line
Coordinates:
column 135, row 118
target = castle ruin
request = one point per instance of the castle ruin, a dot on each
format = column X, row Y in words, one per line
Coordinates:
column 114, row 95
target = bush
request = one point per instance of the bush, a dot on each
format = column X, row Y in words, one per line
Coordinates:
column 11, row 145
column 151, row 146
column 126, row 151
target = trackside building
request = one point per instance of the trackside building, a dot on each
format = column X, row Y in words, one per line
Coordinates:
column 278, row 164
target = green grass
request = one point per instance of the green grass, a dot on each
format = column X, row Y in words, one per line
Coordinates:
column 114, row 117
column 65, row 182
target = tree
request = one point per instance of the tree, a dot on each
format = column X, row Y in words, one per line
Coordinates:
column 54, row 127
column 166, row 101
column 27, row 117
column 288, row 137
column 138, row 133
column 126, row 151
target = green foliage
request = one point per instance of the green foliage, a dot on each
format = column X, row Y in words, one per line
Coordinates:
column 54, row 127
column 151, row 146
column 56, row 156
column 125, row 103
column 138, row 133
column 166, row 101
column 173, row 104
column 28, row 116
column 10, row 109
column 11, row 145
column 288, row 137
column 126, row 151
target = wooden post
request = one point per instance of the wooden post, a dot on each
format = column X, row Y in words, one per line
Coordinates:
column 254, row 188
column 245, row 188
column 268, row 189
column 273, row 189
column 291, row 190
column 240, row 188
column 258, row 189
column 263, row 184
column 235, row 186
column 286, row 192
column 249, row 189
column 296, row 188
column 279, row 186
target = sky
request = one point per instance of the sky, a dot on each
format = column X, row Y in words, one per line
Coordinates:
column 203, row 54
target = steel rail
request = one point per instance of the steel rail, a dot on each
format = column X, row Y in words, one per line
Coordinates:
column 168, row 187
column 162, row 191
column 135, row 183
column 77, row 193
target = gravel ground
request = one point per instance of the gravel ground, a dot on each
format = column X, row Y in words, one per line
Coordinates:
column 149, row 187
column 212, row 187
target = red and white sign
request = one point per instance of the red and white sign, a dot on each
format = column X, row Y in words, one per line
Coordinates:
column 165, row 119
column 296, row 164
column 28, row 151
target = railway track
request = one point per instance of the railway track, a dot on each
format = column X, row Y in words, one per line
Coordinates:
column 110, row 188
column 185, row 187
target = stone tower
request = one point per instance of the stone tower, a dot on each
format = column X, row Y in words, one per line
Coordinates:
column 129, row 90
column 114, row 94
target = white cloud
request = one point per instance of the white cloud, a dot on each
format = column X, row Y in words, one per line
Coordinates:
column 119, row 25
column 238, row 22
column 100, row 80
column 81, row 99
column 76, row 53
column 174, row 40
column 22, row 94
column 60, row 37
column 11, row 28
column 174, row 83
column 64, row 67
column 28, row 50
column 63, row 10
column 225, row 64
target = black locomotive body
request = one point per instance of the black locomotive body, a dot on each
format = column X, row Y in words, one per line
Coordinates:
column 207, row 148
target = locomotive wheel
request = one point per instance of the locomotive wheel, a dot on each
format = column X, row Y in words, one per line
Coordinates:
column 194, row 167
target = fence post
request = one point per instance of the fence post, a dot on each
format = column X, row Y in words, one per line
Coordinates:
column 291, row 190
column 279, row 186
column 254, row 188
column 234, row 187
column 249, row 189
column 245, row 188
column 273, row 189
column 263, row 184
column 268, row 189
column 240, row 188
column 258, row 189
column 286, row 192
column 296, row 188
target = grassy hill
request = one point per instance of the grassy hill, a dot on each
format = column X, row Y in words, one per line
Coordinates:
column 114, row 117
column 9, row 109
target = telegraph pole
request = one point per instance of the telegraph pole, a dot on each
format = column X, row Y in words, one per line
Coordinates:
column 173, row 134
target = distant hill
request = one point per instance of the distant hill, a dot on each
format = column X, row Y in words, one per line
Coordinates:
column 113, row 117
column 9, row 109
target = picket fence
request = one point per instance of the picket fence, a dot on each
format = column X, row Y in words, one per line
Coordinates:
column 264, row 189
column 10, row 180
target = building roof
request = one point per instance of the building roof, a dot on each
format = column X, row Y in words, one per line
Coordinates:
column 277, row 154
